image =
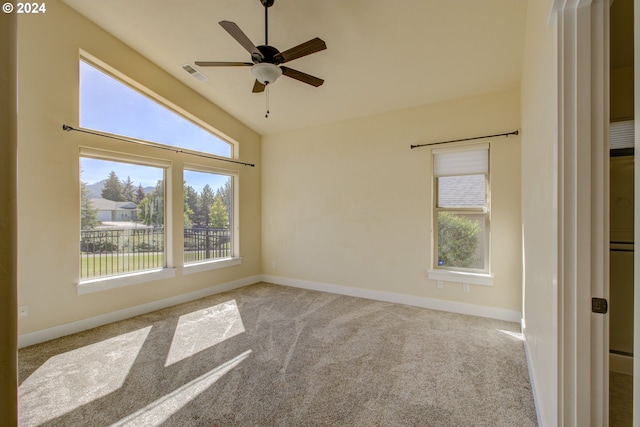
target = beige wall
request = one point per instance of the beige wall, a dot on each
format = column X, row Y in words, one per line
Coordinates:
column 621, row 208
column 8, row 285
column 349, row 203
column 622, row 94
column 539, row 215
column 48, row 205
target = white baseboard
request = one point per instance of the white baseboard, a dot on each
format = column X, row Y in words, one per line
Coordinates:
column 43, row 335
column 532, row 378
column 621, row 364
column 92, row 322
column 431, row 303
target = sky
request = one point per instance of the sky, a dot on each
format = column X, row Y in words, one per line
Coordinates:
column 94, row 170
column 110, row 106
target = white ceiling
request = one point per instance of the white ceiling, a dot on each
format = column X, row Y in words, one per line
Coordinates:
column 381, row 55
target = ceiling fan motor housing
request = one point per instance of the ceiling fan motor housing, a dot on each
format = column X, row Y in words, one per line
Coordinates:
column 268, row 55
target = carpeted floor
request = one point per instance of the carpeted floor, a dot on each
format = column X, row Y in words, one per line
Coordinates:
column 620, row 400
column 268, row 355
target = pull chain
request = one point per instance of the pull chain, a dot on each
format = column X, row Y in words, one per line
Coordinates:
column 267, row 100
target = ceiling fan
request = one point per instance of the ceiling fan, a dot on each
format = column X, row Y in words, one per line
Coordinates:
column 265, row 59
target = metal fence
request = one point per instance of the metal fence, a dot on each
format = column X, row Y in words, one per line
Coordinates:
column 108, row 252
column 201, row 244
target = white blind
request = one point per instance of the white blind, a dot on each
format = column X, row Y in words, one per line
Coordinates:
column 621, row 134
column 461, row 162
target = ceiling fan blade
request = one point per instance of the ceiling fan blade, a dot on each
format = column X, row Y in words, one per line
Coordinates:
column 222, row 64
column 241, row 38
column 303, row 77
column 258, row 87
column 304, row 49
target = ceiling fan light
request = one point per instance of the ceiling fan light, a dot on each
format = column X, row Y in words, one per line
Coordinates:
column 266, row 73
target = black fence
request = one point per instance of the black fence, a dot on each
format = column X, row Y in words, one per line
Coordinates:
column 109, row 252
column 201, row 244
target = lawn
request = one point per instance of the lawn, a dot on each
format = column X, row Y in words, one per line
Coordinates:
column 93, row 265
column 108, row 264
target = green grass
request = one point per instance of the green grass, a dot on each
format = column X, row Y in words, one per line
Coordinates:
column 109, row 264
column 192, row 256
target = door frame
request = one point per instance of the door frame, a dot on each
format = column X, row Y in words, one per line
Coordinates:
column 636, row 256
column 582, row 209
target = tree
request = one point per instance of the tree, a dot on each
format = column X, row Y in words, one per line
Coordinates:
column 218, row 215
column 190, row 201
column 128, row 191
column 225, row 193
column 112, row 189
column 88, row 214
column 205, row 201
column 186, row 223
column 457, row 240
column 139, row 195
column 151, row 209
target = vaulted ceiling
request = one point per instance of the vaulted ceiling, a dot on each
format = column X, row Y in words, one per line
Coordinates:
column 381, row 55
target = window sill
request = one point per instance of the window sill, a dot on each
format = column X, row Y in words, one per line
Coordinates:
column 198, row 267
column 112, row 282
column 461, row 277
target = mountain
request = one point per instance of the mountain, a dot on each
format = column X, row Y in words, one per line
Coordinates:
column 95, row 189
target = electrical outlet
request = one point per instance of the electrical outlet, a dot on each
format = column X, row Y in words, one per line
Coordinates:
column 23, row 311
column 273, row 264
column 465, row 287
column 439, row 284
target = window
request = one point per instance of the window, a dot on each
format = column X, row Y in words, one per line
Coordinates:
column 129, row 215
column 208, row 216
column 108, row 105
column 122, row 217
column 461, row 209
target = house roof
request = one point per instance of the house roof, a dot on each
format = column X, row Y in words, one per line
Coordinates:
column 381, row 56
column 110, row 205
column 461, row 191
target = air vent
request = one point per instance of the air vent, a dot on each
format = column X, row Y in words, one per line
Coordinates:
column 621, row 134
column 195, row 73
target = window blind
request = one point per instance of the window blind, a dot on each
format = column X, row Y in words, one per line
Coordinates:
column 461, row 162
column 621, row 134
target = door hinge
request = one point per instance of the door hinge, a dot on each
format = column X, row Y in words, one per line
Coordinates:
column 599, row 305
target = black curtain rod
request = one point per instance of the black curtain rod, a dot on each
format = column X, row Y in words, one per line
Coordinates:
column 222, row 159
column 515, row 132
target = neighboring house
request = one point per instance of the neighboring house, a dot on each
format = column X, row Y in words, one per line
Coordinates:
column 461, row 191
column 108, row 210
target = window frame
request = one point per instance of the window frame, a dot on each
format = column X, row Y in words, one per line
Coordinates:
column 235, row 258
column 119, row 280
column 477, row 276
column 174, row 245
column 158, row 99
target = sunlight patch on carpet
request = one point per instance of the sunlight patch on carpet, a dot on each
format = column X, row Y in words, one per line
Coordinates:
column 162, row 409
column 205, row 328
column 516, row 335
column 72, row 379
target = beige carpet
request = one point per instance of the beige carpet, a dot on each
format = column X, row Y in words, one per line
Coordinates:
column 268, row 355
column 620, row 400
